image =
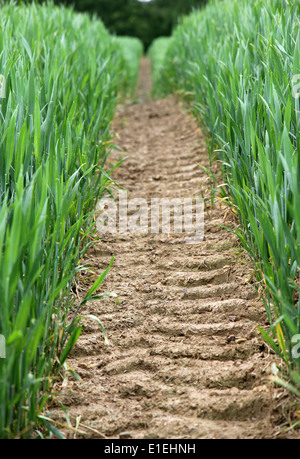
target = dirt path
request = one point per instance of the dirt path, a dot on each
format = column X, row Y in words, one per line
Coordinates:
column 184, row 360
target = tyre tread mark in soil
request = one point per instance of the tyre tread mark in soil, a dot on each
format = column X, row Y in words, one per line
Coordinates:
column 185, row 359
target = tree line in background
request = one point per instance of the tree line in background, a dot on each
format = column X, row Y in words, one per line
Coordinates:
column 145, row 20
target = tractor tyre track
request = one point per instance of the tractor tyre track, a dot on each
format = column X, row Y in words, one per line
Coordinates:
column 185, row 359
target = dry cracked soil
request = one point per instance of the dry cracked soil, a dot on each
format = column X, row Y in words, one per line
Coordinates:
column 185, row 359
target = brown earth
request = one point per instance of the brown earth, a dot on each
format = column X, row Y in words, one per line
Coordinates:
column 184, row 359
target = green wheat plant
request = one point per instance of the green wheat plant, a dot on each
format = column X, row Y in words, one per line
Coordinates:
column 157, row 53
column 235, row 61
column 62, row 73
column 132, row 50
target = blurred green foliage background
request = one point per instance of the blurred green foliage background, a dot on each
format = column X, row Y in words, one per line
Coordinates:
column 146, row 20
